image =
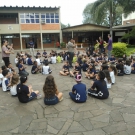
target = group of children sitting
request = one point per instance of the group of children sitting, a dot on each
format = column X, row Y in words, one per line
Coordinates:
column 97, row 67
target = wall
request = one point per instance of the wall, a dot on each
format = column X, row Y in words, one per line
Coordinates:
column 51, row 27
column 132, row 21
column 49, row 45
column 30, row 27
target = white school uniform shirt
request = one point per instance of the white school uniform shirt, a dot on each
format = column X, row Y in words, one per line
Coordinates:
column 127, row 69
column 45, row 70
column 108, row 84
column 53, row 59
column 112, row 76
column 16, row 60
column 38, row 62
column 1, row 78
column 13, row 90
column 5, row 83
column 27, row 61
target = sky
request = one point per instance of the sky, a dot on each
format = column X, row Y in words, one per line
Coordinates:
column 71, row 10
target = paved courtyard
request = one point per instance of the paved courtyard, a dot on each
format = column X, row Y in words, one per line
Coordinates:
column 114, row 116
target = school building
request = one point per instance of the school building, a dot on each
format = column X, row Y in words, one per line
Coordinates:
column 20, row 24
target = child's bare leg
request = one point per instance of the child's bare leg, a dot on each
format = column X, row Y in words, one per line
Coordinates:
column 59, row 95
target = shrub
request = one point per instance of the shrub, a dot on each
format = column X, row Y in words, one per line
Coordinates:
column 130, row 46
column 119, row 49
column 63, row 45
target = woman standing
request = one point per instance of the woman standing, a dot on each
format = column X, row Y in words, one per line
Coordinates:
column 6, row 52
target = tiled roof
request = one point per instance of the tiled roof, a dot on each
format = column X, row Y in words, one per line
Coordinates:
column 28, row 7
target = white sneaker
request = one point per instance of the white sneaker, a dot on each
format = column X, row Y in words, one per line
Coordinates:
column 39, row 96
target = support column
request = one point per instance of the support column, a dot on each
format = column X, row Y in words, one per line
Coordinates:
column 102, row 35
column 21, row 41
column 41, row 41
column 0, row 43
column 128, row 38
column 61, row 38
column 72, row 34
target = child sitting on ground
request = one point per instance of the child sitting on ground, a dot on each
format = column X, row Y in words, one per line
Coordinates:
column 107, row 79
column 90, row 74
column 78, row 94
column 46, row 69
column 38, row 54
column 127, row 68
column 101, row 91
column 76, row 70
column 44, row 53
column 74, row 59
column 53, row 59
column 120, row 68
column 25, row 93
column 11, row 69
column 35, row 68
column 51, row 94
column 16, row 59
column 58, row 58
column 6, row 82
column 14, row 82
column 65, row 70
column 1, row 77
column 38, row 61
column 113, row 72
column 30, row 60
column 85, row 66
column 112, row 60
column 133, row 66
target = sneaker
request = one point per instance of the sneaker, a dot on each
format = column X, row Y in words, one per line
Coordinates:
column 61, row 99
column 39, row 96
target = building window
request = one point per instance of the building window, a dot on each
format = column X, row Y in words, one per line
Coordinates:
column 29, row 18
column 50, row 18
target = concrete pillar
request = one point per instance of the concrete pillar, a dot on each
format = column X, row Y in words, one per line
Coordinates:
column 21, row 42
column 61, row 38
column 102, row 35
column 0, row 43
column 41, row 41
column 72, row 34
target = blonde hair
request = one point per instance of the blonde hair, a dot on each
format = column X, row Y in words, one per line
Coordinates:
column 15, row 79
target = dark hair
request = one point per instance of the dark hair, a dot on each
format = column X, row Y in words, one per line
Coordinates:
column 109, row 35
column 5, row 72
column 36, row 57
column 49, row 87
column 107, row 75
column 120, row 63
column 46, row 63
column 128, row 62
column 104, row 67
column 3, row 68
column 101, row 75
column 8, row 64
column 23, row 79
column 35, row 62
column 3, row 41
column 19, row 62
column 71, row 39
column 114, row 69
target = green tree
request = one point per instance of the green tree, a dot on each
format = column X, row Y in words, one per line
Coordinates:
column 64, row 26
column 130, row 35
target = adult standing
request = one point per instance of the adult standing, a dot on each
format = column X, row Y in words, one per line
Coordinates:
column 31, row 45
column 109, row 46
column 6, row 51
column 71, row 47
column 101, row 45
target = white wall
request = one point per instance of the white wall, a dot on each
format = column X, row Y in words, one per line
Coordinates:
column 130, row 16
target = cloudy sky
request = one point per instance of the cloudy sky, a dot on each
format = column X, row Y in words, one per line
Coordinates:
column 71, row 10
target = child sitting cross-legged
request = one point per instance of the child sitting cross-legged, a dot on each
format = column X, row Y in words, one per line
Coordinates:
column 78, row 94
column 65, row 70
column 51, row 94
column 76, row 70
column 90, row 74
column 35, row 68
column 30, row 60
column 6, row 82
column 25, row 93
column 127, row 67
column 133, row 66
column 46, row 69
column 1, row 77
column 112, row 60
column 99, row 88
column 120, row 68
column 58, row 58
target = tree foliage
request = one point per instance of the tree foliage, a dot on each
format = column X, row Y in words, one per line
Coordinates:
column 100, row 12
column 130, row 35
column 64, row 26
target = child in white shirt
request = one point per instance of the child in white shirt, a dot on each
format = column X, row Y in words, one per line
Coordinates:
column 53, row 59
column 16, row 59
column 127, row 68
column 14, row 82
column 38, row 61
column 107, row 79
column 1, row 77
column 6, row 82
column 46, row 69
column 113, row 72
